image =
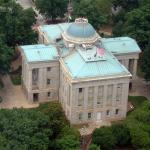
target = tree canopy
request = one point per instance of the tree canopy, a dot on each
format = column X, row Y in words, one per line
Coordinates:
column 15, row 24
column 5, row 57
column 104, row 138
column 133, row 131
column 36, row 129
column 133, row 20
column 52, row 8
column 24, row 129
column 15, row 28
column 146, row 63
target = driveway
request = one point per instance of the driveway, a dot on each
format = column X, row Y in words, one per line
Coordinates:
column 140, row 88
column 13, row 96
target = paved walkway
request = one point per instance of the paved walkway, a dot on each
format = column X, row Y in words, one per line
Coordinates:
column 140, row 88
column 13, row 96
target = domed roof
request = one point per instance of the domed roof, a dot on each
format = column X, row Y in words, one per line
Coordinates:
column 80, row 32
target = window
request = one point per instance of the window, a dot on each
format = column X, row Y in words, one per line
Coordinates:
column 90, row 96
column 48, row 81
column 117, row 111
column 80, row 90
column 48, row 94
column 80, row 116
column 107, row 112
column 100, row 94
column 109, row 94
column 89, row 115
column 48, row 68
column 119, row 92
column 35, row 97
column 80, row 102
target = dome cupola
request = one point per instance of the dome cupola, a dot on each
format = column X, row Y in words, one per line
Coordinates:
column 80, row 32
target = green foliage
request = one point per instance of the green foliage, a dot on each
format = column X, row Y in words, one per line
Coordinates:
column 137, row 100
column 64, row 136
column 5, row 57
column 138, row 123
column 24, row 129
column 104, row 138
column 52, row 8
column 18, row 22
column 134, row 130
column 146, row 63
column 56, row 116
column 94, row 147
column 126, row 4
column 68, row 142
column 133, row 20
column 122, row 134
column 96, row 11
column 68, row 139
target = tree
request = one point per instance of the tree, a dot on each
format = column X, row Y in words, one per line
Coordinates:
column 136, row 25
column 92, row 11
column 64, row 136
column 146, row 63
column 138, row 123
column 5, row 57
column 57, row 121
column 52, row 8
column 68, row 139
column 122, row 134
column 15, row 24
column 126, row 4
column 104, row 138
column 24, row 129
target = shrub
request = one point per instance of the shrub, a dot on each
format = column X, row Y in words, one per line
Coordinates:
column 104, row 138
column 122, row 134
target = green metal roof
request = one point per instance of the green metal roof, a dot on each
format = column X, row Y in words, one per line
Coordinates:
column 79, row 68
column 120, row 45
column 40, row 52
column 54, row 31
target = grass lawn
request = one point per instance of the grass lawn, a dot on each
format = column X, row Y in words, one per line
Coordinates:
column 137, row 100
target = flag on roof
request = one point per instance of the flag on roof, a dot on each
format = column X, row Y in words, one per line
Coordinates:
column 100, row 52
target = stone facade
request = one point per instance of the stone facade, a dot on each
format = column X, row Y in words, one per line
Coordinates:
column 40, row 80
column 95, row 100
column 84, row 100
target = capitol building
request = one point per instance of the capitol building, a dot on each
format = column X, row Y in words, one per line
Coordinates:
column 87, row 74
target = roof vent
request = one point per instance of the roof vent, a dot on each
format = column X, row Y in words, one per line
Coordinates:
column 87, row 46
column 71, row 45
column 81, row 20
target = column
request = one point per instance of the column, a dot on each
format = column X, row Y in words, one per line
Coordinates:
column 105, row 96
column 114, row 95
column 40, row 78
column 30, row 79
column 126, row 61
column 134, row 68
column 95, row 102
column 124, row 99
